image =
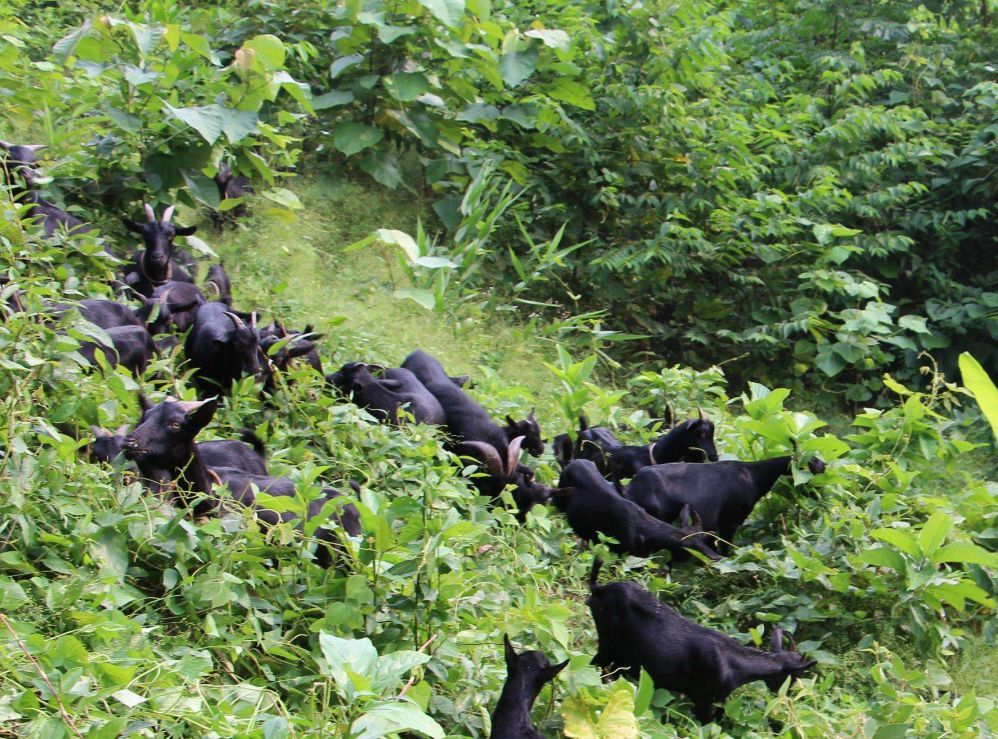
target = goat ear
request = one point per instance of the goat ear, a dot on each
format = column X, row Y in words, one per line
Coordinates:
column 583, row 423
column 551, row 671
column 508, row 650
column 510, row 421
column 121, row 430
column 98, row 432
column 199, row 412
column 132, row 226
column 702, row 415
column 184, row 230
column 144, row 403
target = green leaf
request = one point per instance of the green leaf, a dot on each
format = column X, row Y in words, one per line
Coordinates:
column 448, row 12
column 881, row 557
column 406, row 86
column 934, row 532
column 284, row 197
column 900, row 539
column 976, row 380
column 830, row 363
column 425, row 298
column 383, row 166
column 617, row 720
column 393, row 717
column 646, row 690
column 269, row 50
column 571, row 92
column 391, row 667
column 965, row 553
column 401, row 239
column 551, row 37
column 212, row 120
column 516, row 66
column 332, row 99
column 66, row 46
column 351, row 137
column 202, row 188
column 357, row 656
column 345, row 62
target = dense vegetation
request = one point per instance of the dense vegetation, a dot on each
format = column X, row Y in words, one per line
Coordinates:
column 806, row 187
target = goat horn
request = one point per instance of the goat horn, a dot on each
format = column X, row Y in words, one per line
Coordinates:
column 5, row 145
column 253, row 319
column 489, row 455
column 191, row 405
column 35, row 147
column 99, row 432
column 150, row 213
column 122, row 429
column 703, row 417
column 513, row 455
column 168, row 214
column 777, row 640
column 236, row 319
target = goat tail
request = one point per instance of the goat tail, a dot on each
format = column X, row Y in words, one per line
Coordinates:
column 594, row 572
column 249, row 436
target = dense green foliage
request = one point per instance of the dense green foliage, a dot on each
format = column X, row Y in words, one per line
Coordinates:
column 800, row 184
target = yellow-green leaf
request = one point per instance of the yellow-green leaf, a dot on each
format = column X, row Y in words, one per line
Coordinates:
column 983, row 387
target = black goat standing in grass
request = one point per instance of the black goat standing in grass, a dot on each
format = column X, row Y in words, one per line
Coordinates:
column 163, row 448
column 385, row 395
column 526, row 674
column 636, row 630
column 723, row 494
column 160, row 261
column 593, row 507
column 222, row 348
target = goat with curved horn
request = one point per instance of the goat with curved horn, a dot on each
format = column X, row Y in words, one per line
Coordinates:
column 513, row 455
column 487, row 453
column 168, row 214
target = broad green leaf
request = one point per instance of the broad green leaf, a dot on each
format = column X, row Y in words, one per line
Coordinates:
column 571, row 92
column 269, row 50
column 283, row 196
column 401, row 239
column 202, row 188
column 517, row 65
column 965, row 553
column 406, row 86
column 393, row 717
column 448, row 12
column 900, row 539
column 383, row 166
column 357, row 656
column 66, row 46
column 646, row 690
column 129, row 698
column 934, row 532
column 206, row 120
column 392, row 667
column 345, row 62
column 578, row 723
column 350, row 137
column 425, row 298
column 332, row 99
column 617, row 720
column 551, row 37
column 882, row 557
column 976, row 380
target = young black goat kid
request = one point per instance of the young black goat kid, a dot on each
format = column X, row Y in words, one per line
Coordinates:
column 636, row 630
column 526, row 674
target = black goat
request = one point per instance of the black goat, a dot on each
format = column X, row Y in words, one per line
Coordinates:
column 163, row 448
column 217, row 282
column 171, row 307
column 527, row 428
column 690, row 441
column 526, row 674
column 156, row 264
column 20, row 160
column 466, row 419
column 230, row 186
column 293, row 345
column 248, row 454
column 104, row 313
column 636, row 630
column 384, row 396
column 222, row 348
column 593, row 507
column 131, row 348
column 723, row 494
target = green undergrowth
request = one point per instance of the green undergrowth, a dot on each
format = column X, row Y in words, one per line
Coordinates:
column 124, row 617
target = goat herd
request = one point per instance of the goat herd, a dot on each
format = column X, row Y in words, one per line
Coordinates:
column 680, row 498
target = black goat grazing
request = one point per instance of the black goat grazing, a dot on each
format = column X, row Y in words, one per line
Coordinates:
column 723, row 494
column 466, row 419
column 526, row 674
column 529, row 429
column 171, row 307
column 293, row 344
column 230, row 186
column 222, row 348
column 384, row 396
column 636, row 630
column 131, row 348
column 159, row 262
column 526, row 492
column 690, row 441
column 217, row 282
column 248, row 454
column 163, row 448
column 104, row 313
column 19, row 161
column 593, row 507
